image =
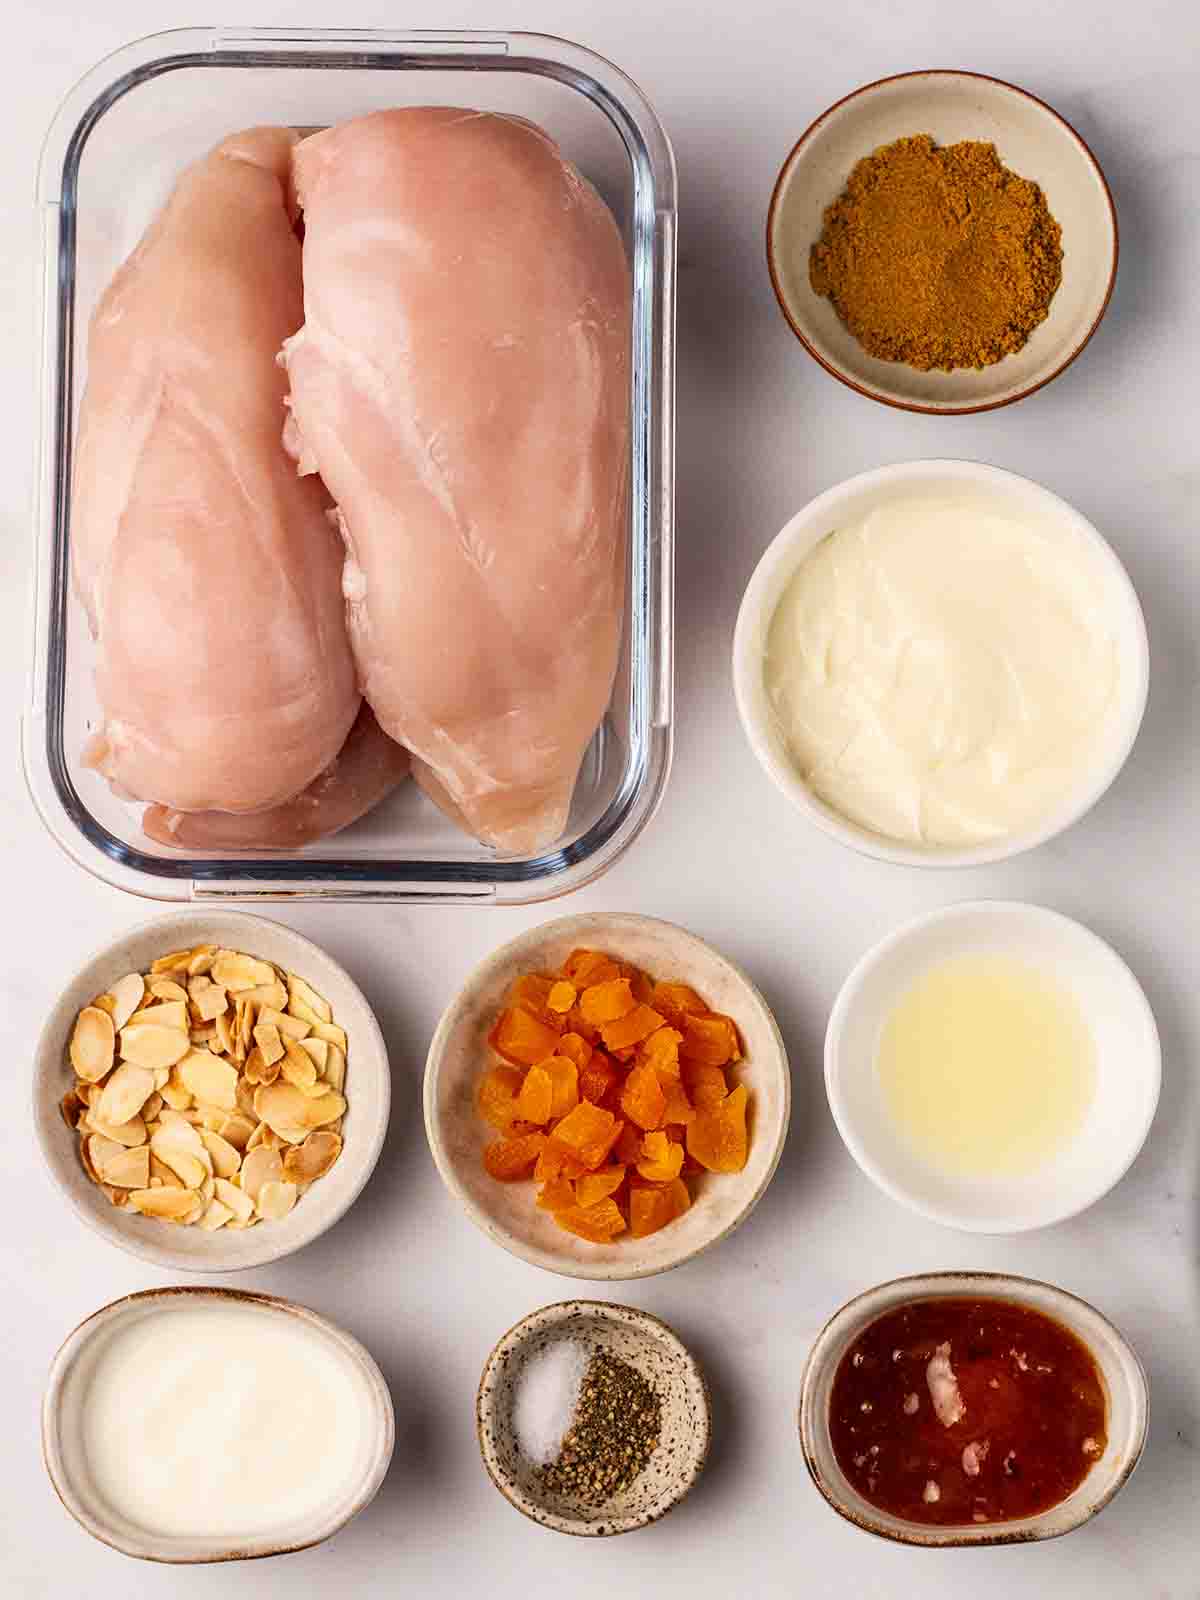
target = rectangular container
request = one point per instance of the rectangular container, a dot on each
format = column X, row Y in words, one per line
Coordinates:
column 111, row 156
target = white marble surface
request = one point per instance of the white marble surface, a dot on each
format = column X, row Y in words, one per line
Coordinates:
column 760, row 430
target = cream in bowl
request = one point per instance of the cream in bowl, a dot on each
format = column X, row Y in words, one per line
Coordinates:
column 188, row 1425
column 941, row 663
column 971, row 1408
column 993, row 1066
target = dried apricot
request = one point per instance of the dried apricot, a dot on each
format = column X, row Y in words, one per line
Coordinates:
column 641, row 986
column 605, row 1002
column 630, row 1029
column 583, row 967
column 589, row 1132
column 628, row 1148
column 599, row 1223
column 705, row 1085
column 510, row 1159
column 675, row 1001
column 661, row 1161
column 562, row 997
column 597, row 1079
column 564, row 1078
column 597, row 1186
column 717, row 1137
column 712, row 1040
column 576, row 1048
column 536, row 1096
column 661, row 1051
column 520, row 1036
column 497, row 1096
column 679, row 1108
column 642, row 1099
column 557, row 1195
column 653, row 1206
column 557, row 1161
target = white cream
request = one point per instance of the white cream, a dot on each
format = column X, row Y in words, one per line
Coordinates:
column 941, row 671
column 221, row 1419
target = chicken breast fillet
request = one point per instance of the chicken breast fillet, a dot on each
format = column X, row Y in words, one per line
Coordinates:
column 461, row 383
column 210, row 574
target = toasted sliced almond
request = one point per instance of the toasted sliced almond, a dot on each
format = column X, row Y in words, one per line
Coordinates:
column 175, row 961
column 124, row 1094
column 257, row 1070
column 116, row 1197
column 150, row 1045
column 201, row 959
column 99, row 1151
column 271, row 995
column 104, row 1002
column 163, row 1014
column 172, row 1204
column 209, row 1080
column 305, row 1163
column 275, row 1200
column 160, row 1172
column 314, row 1091
column 269, row 1042
column 189, row 1169
column 297, row 1066
column 224, row 1038
column 260, row 1166
column 152, row 1107
column 292, row 1027
column 318, row 1049
column 331, row 1033
column 162, row 1076
column 175, row 1094
column 127, row 996
column 126, row 1169
column 236, row 1130
column 216, row 1216
column 209, row 999
column 329, row 1108
column 302, row 993
column 72, row 1108
column 202, row 1035
column 335, row 1067
column 176, row 1130
column 236, row 1199
column 245, row 1100
column 166, row 989
column 233, row 970
column 128, row 1134
column 226, row 1158
column 92, row 1044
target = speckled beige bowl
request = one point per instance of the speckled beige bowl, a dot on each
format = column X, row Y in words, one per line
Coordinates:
column 459, row 1055
column 368, row 1095
column 655, row 1351
column 1033, row 141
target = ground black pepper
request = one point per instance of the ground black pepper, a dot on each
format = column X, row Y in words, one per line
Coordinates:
column 614, row 1433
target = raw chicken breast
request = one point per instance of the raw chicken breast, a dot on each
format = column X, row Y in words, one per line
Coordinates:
column 367, row 768
column 210, row 573
column 461, row 382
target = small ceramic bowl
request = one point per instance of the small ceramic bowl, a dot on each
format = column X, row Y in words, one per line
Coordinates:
column 647, row 1345
column 1122, row 1372
column 1033, row 141
column 1009, row 495
column 459, row 1055
column 1128, row 1066
column 368, row 1095
column 65, row 1454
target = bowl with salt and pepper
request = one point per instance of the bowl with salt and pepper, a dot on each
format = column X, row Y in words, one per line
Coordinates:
column 942, row 241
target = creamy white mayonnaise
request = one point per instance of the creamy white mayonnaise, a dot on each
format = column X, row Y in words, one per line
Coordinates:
column 221, row 1419
column 941, row 671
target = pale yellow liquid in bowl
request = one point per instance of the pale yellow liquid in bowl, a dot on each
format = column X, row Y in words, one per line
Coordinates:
column 987, row 1067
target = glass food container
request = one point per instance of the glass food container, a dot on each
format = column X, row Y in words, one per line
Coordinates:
column 112, row 153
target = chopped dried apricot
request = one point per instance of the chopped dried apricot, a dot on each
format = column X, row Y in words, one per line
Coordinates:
column 520, row 1036
column 717, row 1137
column 536, row 1096
column 705, row 1085
column 497, row 1096
column 675, row 1001
column 532, row 992
column 712, row 1040
column 576, row 1048
column 605, row 1002
column 679, row 1108
column 681, row 1195
column 641, row 986
column 653, row 1206
column 562, row 997
column 599, row 1223
column 589, row 1132
column 578, row 1023
column 628, row 1148
column 661, row 1051
column 557, row 1161
column 630, row 1029
column 597, row 1079
column 583, row 967
column 661, row 1161
column 642, row 1099
column 557, row 1195
column 564, row 1078
column 597, row 1186
column 510, row 1159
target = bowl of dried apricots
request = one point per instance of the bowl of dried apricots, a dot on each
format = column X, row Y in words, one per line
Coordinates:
column 607, row 1096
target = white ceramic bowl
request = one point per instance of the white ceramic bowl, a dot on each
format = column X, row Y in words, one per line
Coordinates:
column 1122, row 1372
column 65, row 1455
column 1128, row 1065
column 1033, row 141
column 368, row 1095
column 1013, row 495
column 459, row 1055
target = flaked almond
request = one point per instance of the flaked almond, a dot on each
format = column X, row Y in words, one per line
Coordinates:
column 292, row 1027
column 245, row 1100
column 258, row 1070
column 163, row 1014
column 304, row 1001
column 335, row 1067
column 269, row 1042
column 125, row 1169
column 206, row 1032
column 201, row 959
column 236, row 1130
column 305, row 1163
column 271, row 995
column 209, row 999
column 314, row 1091
column 244, row 1028
column 127, row 995
column 238, row 1201
column 114, row 1196
column 188, row 1169
column 297, row 1066
column 331, row 1033
column 171, row 1204
column 92, row 1044
column 152, row 1107
column 258, row 1167
column 275, row 1200
column 318, row 1049
column 129, row 1134
column 124, row 1093
column 150, row 1045
column 104, row 1002
column 216, row 1216
column 72, row 1108
column 224, row 1039
column 209, row 1079
column 160, row 1173
column 167, row 989
column 175, row 1094
column 226, row 1158
column 233, row 970
column 174, row 961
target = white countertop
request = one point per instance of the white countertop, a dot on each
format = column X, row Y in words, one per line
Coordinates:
column 761, row 429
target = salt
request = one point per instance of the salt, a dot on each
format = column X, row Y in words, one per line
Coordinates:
column 546, row 1397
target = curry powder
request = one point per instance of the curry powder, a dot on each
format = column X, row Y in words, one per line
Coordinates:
column 938, row 256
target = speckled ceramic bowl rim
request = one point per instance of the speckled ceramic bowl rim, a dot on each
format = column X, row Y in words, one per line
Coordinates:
column 914, row 405
column 552, row 1316
column 806, row 530
column 540, row 1258
column 251, row 1549
column 924, row 1286
column 367, row 1142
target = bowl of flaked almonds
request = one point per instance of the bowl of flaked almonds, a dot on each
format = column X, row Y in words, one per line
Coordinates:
column 211, row 1091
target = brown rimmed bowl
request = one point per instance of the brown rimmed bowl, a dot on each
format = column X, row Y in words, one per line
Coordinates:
column 1034, row 141
column 1124, row 1380
column 656, row 1352
column 64, row 1455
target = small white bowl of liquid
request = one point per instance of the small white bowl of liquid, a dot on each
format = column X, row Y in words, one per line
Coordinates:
column 994, row 1066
